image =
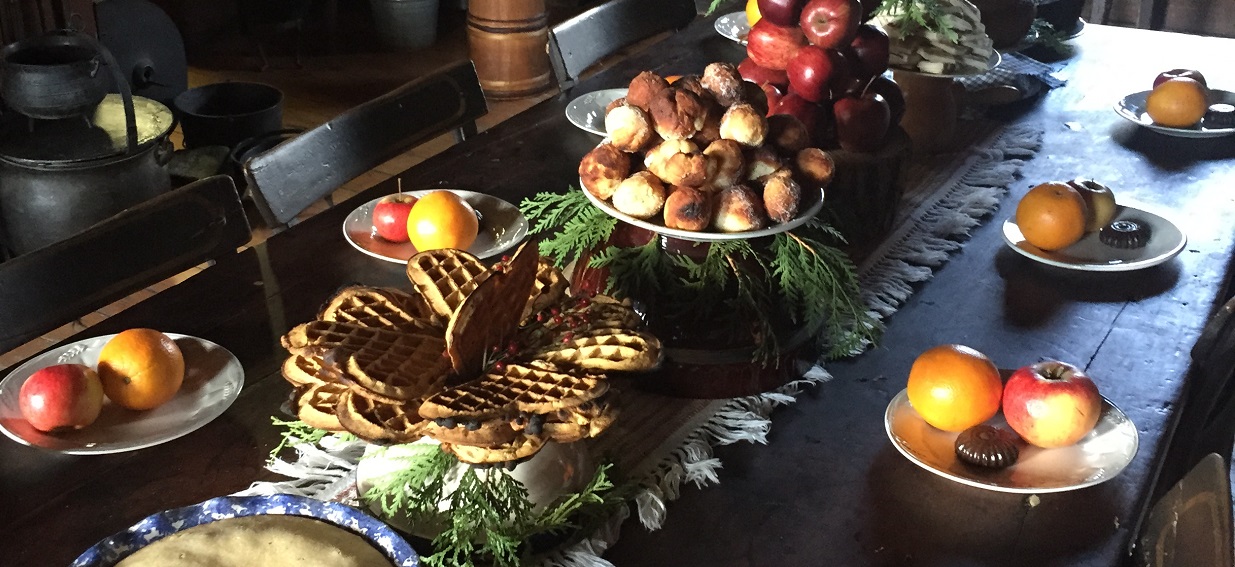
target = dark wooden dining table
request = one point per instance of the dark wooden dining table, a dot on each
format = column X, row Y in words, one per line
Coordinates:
column 828, row 488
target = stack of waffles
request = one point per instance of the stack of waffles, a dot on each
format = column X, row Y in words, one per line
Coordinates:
column 491, row 361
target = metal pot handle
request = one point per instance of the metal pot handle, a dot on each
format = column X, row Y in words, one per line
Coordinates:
column 126, row 93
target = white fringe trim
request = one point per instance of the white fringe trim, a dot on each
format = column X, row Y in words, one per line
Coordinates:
column 886, row 283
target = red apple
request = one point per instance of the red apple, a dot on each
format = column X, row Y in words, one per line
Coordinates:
column 812, row 71
column 1051, row 403
column 772, row 46
column 1176, row 73
column 870, row 51
column 61, row 396
column 831, row 23
column 773, row 94
column 780, row 12
column 760, row 75
column 892, row 93
column 794, row 105
column 390, row 216
column 862, row 122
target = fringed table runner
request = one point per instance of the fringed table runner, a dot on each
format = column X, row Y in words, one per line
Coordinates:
column 667, row 442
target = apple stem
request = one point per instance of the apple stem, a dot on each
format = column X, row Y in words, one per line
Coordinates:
column 399, row 184
column 867, row 87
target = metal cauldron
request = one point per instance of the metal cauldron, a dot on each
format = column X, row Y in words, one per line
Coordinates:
column 52, row 76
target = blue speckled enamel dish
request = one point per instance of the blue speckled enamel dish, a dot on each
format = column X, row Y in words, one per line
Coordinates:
column 111, row 550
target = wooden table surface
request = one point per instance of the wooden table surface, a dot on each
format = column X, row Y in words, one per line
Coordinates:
column 829, row 489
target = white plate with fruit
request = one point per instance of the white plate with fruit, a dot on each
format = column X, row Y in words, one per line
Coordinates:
column 1090, row 254
column 1133, row 108
column 733, row 27
column 587, row 112
column 60, row 381
column 500, row 225
column 1044, row 427
column 1181, row 104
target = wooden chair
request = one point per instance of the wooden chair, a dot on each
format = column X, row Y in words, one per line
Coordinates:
column 1191, row 524
column 287, row 179
column 581, row 41
column 147, row 243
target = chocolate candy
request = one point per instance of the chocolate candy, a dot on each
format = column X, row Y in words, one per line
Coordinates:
column 1127, row 234
column 987, row 446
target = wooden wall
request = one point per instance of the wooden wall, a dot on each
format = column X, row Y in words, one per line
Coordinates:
column 1203, row 17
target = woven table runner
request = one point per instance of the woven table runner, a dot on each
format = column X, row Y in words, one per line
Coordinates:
column 667, row 442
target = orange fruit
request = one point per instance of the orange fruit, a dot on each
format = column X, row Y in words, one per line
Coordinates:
column 1052, row 216
column 442, row 219
column 752, row 12
column 141, row 369
column 954, row 387
column 1177, row 103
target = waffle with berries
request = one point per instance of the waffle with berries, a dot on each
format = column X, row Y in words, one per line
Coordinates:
column 491, row 361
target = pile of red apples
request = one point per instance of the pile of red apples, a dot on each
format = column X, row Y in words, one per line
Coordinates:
column 819, row 61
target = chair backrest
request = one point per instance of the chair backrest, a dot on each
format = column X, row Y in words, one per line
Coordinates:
column 1191, row 524
column 581, row 41
column 298, row 172
column 151, row 241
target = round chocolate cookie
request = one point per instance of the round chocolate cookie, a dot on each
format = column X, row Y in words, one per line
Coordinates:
column 987, row 446
column 1127, row 234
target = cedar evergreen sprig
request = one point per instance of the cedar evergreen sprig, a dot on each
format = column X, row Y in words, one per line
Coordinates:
column 1051, row 38
column 574, row 223
column 913, row 15
column 297, row 432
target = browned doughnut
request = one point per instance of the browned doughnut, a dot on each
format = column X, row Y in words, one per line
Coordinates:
column 643, row 87
column 641, row 195
column 687, row 208
column 629, row 128
column 724, row 82
column 787, row 133
column 614, row 104
column 781, row 196
column 602, row 169
column 677, row 114
column 814, row 168
column 761, row 162
column 738, row 209
column 745, row 125
column 730, row 164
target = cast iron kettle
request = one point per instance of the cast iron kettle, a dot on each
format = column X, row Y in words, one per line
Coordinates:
column 66, row 160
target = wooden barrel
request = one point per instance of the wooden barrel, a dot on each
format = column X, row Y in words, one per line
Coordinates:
column 507, row 40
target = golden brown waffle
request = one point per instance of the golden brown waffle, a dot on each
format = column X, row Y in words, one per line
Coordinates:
column 489, row 316
column 577, row 318
column 588, row 420
column 602, row 350
column 444, row 277
column 408, row 368
column 322, row 337
column 315, row 405
column 377, row 422
column 521, row 447
column 548, row 290
column 517, row 389
column 487, row 434
column 307, row 371
column 379, row 307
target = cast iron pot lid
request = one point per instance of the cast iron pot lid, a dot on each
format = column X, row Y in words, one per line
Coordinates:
column 92, row 136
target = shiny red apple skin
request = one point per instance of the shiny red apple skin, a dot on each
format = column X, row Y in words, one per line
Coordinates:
column 772, row 46
column 1051, row 403
column 774, row 95
column 830, row 24
column 892, row 94
column 61, row 396
column 1176, row 73
column 870, row 49
column 794, row 105
column 781, row 12
column 812, row 71
column 760, row 75
column 862, row 122
column 390, row 216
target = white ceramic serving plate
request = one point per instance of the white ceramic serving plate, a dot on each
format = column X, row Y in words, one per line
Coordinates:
column 733, row 26
column 213, row 379
column 1166, row 240
column 501, row 227
column 1132, row 108
column 587, row 112
column 1096, row 458
column 812, row 202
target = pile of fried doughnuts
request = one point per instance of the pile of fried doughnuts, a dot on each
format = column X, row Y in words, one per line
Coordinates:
column 701, row 154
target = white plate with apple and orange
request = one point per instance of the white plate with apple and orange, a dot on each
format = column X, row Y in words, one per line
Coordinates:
column 212, row 380
column 1098, row 456
column 1132, row 108
column 1163, row 240
column 501, row 226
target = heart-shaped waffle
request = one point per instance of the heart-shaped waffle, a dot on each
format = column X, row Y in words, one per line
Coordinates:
column 379, row 307
column 378, row 422
column 522, row 447
column 587, row 420
column 408, row 369
column 444, row 277
column 486, row 434
column 489, row 316
column 516, row 389
column 307, row 371
column 602, row 350
column 315, row 405
column 548, row 290
column 322, row 337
